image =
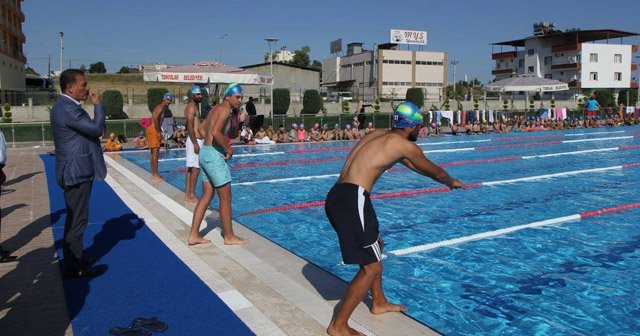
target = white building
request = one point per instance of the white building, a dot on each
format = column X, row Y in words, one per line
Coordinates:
column 586, row 59
column 386, row 72
column 283, row 56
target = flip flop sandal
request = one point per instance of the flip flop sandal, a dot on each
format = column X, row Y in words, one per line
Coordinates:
column 151, row 324
column 129, row 331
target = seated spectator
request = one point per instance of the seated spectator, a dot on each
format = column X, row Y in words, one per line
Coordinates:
column 112, row 143
column 280, row 135
column 262, row 138
column 246, row 135
column 301, row 135
column 347, row 134
column 324, row 134
column 140, row 142
column 369, row 128
column 271, row 133
column 455, row 129
column 179, row 136
column 355, row 131
column 315, row 132
column 335, row 133
column 422, row 133
column 293, row 132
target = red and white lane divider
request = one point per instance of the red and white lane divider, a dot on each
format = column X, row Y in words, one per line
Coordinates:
column 500, row 232
column 443, row 189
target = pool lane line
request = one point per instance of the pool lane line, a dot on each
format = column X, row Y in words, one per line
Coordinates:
column 446, row 164
column 543, row 143
column 500, row 232
column 445, row 189
column 283, row 163
column 235, row 155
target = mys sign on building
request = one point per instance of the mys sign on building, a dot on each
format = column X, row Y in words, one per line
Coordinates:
column 399, row 36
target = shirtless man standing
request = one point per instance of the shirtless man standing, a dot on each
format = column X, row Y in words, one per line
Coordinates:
column 214, row 170
column 348, row 200
column 154, row 132
column 194, row 142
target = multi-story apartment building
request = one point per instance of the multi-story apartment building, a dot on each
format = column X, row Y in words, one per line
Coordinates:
column 385, row 72
column 12, row 59
column 586, row 59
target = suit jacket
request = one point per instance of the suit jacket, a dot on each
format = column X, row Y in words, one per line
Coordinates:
column 76, row 139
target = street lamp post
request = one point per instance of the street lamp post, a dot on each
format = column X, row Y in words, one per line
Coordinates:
column 222, row 38
column 61, row 49
column 271, row 41
column 454, row 63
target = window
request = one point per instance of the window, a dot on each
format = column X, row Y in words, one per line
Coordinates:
column 498, row 65
column 593, row 76
column 548, row 61
column 593, row 58
column 617, row 58
column 530, row 52
column 520, row 63
column 530, row 70
column 617, row 76
column 547, row 76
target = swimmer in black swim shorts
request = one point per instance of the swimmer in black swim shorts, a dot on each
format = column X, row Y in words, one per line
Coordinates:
column 352, row 216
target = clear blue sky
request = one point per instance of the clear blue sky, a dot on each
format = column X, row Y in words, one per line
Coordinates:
column 123, row 33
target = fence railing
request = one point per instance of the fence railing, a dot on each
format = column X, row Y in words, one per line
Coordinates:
column 41, row 131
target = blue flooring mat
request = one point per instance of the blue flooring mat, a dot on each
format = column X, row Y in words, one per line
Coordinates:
column 144, row 278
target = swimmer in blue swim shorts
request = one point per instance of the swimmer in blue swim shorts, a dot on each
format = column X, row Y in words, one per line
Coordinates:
column 352, row 216
column 214, row 170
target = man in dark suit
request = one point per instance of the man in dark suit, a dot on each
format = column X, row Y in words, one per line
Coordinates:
column 78, row 162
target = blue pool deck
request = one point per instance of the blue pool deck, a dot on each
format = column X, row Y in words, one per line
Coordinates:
column 271, row 290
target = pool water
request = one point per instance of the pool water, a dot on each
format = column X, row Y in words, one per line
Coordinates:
column 579, row 277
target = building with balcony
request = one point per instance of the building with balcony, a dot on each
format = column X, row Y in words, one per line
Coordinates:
column 586, row 59
column 12, row 59
column 385, row 72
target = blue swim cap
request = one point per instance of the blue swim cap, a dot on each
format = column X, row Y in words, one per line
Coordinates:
column 196, row 90
column 233, row 88
column 406, row 115
column 167, row 96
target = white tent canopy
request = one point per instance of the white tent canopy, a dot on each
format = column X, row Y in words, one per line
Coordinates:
column 527, row 83
column 206, row 72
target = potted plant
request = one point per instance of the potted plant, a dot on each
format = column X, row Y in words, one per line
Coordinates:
column 6, row 117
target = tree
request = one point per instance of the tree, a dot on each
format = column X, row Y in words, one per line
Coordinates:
column 301, row 57
column 124, row 69
column 416, row 96
column 113, row 103
column 97, row 67
column 281, row 101
column 31, row 71
column 316, row 65
column 83, row 67
column 311, row 102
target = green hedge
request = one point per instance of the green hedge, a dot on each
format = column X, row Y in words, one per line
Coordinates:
column 416, row 96
column 281, row 101
column 311, row 102
column 113, row 103
column 154, row 97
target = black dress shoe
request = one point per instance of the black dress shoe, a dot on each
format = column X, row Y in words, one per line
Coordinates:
column 88, row 262
column 85, row 272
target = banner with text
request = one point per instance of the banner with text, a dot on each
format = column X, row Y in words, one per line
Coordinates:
column 399, row 36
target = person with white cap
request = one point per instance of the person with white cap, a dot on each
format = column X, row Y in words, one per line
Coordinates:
column 194, row 142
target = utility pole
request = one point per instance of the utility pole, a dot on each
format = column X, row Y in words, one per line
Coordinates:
column 221, row 40
column 270, row 41
column 454, row 63
column 61, row 49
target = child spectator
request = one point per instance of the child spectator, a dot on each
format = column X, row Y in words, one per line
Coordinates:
column 112, row 143
column 140, row 141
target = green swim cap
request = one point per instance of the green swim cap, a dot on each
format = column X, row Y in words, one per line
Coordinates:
column 233, row 88
column 406, row 115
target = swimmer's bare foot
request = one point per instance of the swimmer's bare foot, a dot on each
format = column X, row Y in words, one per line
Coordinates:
column 333, row 330
column 198, row 240
column 156, row 178
column 234, row 240
column 191, row 200
column 386, row 307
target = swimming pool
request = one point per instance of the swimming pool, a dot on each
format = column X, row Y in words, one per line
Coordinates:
column 546, row 273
